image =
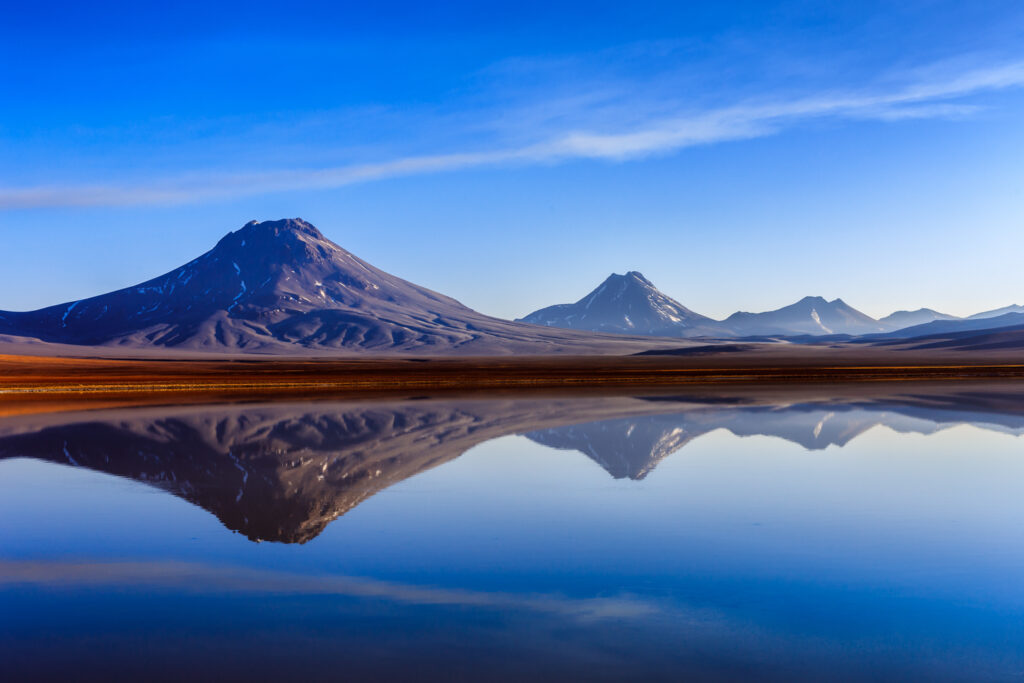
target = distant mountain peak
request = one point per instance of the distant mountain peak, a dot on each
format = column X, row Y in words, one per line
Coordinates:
column 615, row 285
column 901, row 319
column 624, row 304
column 811, row 315
column 917, row 310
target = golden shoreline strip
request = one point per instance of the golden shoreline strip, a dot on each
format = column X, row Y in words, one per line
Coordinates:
column 41, row 378
column 664, row 377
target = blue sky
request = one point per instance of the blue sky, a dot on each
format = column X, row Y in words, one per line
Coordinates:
column 741, row 155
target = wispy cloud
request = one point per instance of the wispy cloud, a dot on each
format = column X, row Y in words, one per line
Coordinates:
column 931, row 95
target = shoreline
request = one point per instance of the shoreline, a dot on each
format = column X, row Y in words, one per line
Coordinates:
column 40, row 377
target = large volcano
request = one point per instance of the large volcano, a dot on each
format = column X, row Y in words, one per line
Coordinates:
column 281, row 286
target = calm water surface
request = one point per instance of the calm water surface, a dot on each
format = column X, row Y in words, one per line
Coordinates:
column 600, row 538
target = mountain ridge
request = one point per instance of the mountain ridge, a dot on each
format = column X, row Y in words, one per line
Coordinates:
column 812, row 315
column 899, row 320
column 957, row 326
column 281, row 286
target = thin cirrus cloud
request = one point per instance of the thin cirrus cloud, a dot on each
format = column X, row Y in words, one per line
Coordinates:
column 926, row 98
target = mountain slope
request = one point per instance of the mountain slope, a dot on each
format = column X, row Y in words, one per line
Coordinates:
column 279, row 286
column 811, row 315
column 627, row 304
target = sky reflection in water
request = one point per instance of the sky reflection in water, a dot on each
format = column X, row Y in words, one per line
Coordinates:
column 614, row 537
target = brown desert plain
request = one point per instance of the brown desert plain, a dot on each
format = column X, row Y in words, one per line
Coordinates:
column 100, row 377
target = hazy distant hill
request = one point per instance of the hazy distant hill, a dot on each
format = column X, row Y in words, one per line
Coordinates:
column 982, row 334
column 811, row 315
column 628, row 304
column 901, row 319
column 278, row 286
column 946, row 327
column 1013, row 308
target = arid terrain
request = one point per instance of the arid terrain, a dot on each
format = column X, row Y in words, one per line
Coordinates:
column 35, row 378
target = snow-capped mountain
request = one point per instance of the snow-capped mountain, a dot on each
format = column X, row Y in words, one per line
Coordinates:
column 626, row 304
column 811, row 315
column 281, row 286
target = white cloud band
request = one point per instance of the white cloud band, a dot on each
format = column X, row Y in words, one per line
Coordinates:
column 928, row 98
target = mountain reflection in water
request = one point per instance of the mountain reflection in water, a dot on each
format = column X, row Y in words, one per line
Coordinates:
column 283, row 471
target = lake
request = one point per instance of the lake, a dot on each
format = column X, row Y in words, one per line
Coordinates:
column 843, row 533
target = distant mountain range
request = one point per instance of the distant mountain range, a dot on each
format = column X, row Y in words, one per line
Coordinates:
column 631, row 303
column 811, row 315
column 966, row 334
column 281, row 287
